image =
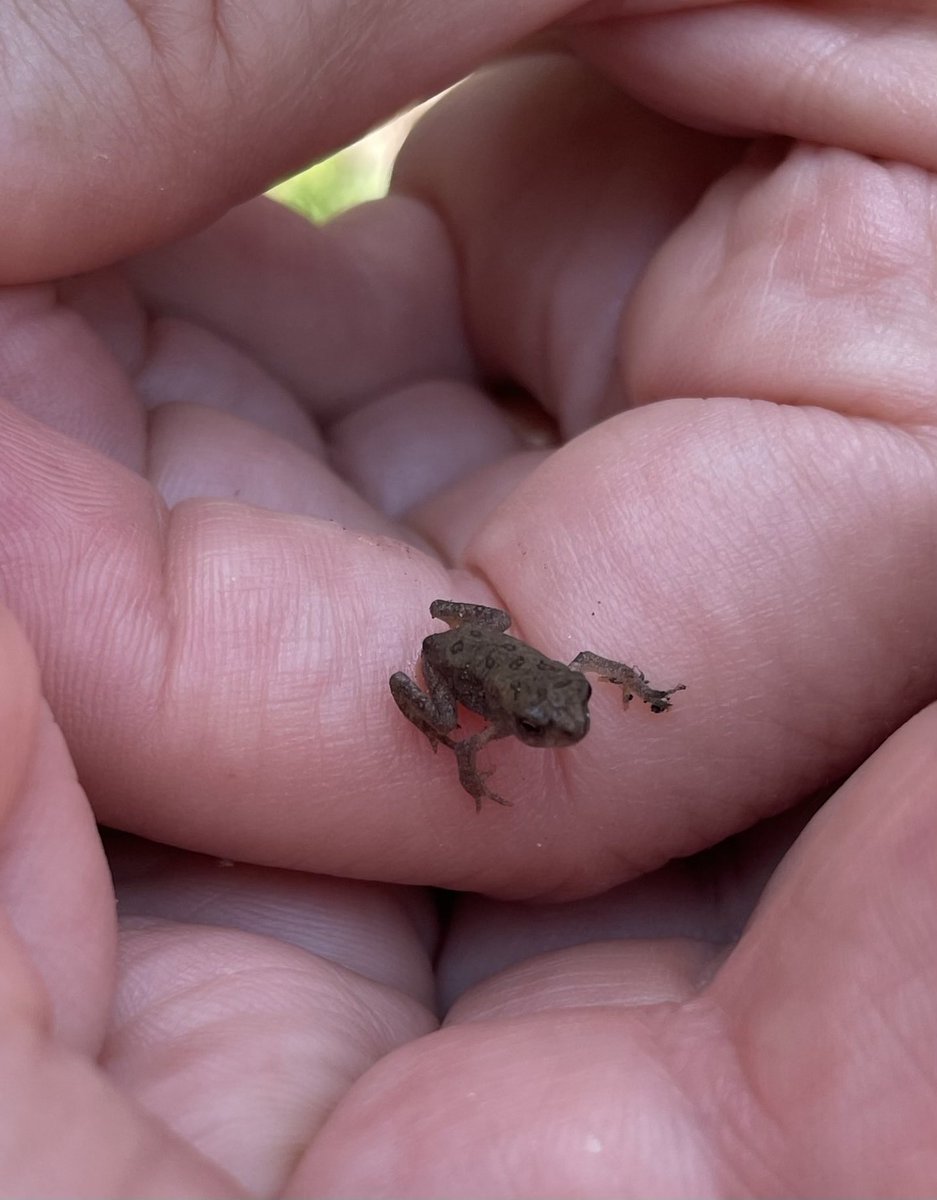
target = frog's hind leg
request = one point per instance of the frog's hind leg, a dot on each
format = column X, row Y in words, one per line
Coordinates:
column 455, row 613
column 473, row 780
column 629, row 679
column 434, row 718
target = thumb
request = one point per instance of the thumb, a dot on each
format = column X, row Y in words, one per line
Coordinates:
column 66, row 1130
column 830, row 994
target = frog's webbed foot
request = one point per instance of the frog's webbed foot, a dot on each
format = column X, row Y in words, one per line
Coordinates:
column 629, row 679
column 422, row 711
column 471, row 778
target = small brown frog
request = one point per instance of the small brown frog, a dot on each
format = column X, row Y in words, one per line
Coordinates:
column 521, row 692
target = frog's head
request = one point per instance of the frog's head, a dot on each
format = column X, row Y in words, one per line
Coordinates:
column 556, row 713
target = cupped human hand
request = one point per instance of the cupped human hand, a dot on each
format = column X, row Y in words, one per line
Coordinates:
column 236, row 470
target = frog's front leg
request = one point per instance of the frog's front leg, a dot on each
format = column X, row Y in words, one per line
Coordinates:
column 473, row 780
column 629, row 679
column 433, row 712
column 455, row 613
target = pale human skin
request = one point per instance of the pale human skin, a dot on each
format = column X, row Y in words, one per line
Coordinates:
column 736, row 341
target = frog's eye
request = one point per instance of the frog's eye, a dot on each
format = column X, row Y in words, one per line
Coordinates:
column 532, row 733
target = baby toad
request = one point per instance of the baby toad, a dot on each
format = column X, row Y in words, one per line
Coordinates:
column 520, row 691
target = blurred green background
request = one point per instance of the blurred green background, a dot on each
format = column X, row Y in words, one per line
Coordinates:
column 358, row 173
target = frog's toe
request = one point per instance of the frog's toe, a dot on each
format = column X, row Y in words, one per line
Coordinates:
column 660, row 701
column 476, row 787
column 488, row 794
column 485, row 792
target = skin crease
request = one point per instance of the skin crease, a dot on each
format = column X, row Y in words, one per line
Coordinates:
column 750, row 320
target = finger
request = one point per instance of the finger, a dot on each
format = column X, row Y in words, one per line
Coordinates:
column 242, row 657
column 55, row 367
column 827, row 75
column 228, row 125
column 188, row 365
column 801, row 308
column 383, row 933
column 198, row 451
column 251, row 999
column 390, row 449
column 241, row 1043
column 448, row 519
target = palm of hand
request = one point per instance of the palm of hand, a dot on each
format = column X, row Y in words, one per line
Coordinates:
column 252, row 992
